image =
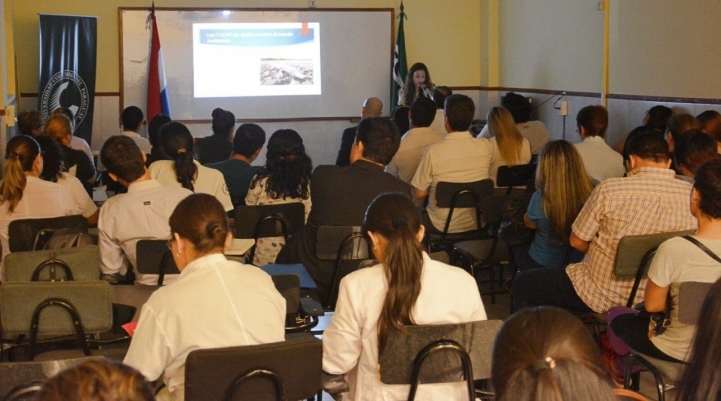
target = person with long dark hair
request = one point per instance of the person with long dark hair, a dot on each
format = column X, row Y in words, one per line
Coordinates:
column 156, row 143
column 217, row 147
column 214, row 303
column 183, row 170
column 418, row 84
column 406, row 288
column 286, row 179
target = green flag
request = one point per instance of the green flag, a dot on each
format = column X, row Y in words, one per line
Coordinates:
column 400, row 65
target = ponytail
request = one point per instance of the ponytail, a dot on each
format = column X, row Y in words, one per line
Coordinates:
column 178, row 144
column 185, row 169
column 20, row 155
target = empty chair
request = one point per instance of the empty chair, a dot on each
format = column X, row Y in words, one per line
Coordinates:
column 344, row 245
column 516, row 176
column 154, row 257
column 32, row 234
column 78, row 264
column 263, row 221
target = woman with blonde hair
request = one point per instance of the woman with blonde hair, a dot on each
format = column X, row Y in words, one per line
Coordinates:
column 406, row 288
column 562, row 187
column 510, row 148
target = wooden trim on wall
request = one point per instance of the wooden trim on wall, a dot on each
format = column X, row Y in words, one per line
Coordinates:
column 644, row 98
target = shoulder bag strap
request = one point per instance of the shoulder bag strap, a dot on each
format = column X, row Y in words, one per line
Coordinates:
column 702, row 247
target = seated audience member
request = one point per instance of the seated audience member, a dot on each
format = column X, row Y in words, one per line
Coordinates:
column 30, row 123
column 600, row 160
column 439, row 94
column 215, row 302
column 701, row 380
column 237, row 171
column 183, row 171
column 547, row 354
column 510, row 148
column 693, row 148
column 458, row 158
column 340, row 195
column 23, row 195
column 415, row 141
column 655, row 120
column 520, row 108
column 418, row 84
column 400, row 118
column 142, row 213
column 52, row 171
column 677, row 125
column 75, row 162
column 217, row 147
column 101, row 380
column 638, row 130
column 372, row 107
column 679, row 260
column 650, row 200
column 156, row 143
column 562, row 187
column 286, row 179
column 133, row 120
column 406, row 288
column 710, row 121
column 76, row 142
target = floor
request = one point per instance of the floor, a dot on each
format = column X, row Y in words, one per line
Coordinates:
column 501, row 310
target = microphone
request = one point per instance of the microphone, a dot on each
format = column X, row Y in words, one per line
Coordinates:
column 426, row 92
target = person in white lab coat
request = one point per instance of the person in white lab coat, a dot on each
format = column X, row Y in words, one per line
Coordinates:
column 406, row 288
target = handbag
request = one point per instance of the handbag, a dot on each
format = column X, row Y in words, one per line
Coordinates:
column 513, row 230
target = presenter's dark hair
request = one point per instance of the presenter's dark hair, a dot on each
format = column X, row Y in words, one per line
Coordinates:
column 460, row 110
column 52, row 161
column 681, row 123
column 658, row 118
column 518, row 106
column 178, row 145
column 248, row 139
column 701, row 380
column 423, row 111
column 101, row 380
column 28, row 121
column 707, row 182
column 132, row 117
column 395, row 218
column 156, row 123
column 410, row 89
column 223, row 121
column 710, row 121
column 287, row 167
column 440, row 93
column 201, row 219
column 547, row 354
column 122, row 157
column 380, row 137
column 694, row 148
column 20, row 154
column 594, row 120
column 648, row 146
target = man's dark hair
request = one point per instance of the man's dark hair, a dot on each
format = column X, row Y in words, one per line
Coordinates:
column 400, row 118
column 681, row 123
column 693, row 148
column 423, row 111
column 439, row 94
column 121, row 156
column 154, row 129
column 594, row 119
column 380, row 137
column 658, row 118
column 707, row 182
column 518, row 106
column 248, row 139
column 648, row 146
column 132, row 117
column 460, row 110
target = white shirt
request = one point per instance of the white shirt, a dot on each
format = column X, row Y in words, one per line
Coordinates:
column 458, row 158
column 82, row 200
column 214, row 303
column 208, row 181
column 78, row 143
column 405, row 162
column 535, row 131
column 142, row 143
column 600, row 160
column 497, row 160
column 40, row 199
column 142, row 213
column 350, row 344
column 439, row 122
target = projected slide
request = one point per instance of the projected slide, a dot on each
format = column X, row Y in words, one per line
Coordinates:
column 256, row 59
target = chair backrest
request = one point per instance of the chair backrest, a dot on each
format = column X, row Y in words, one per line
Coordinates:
column 154, row 257
column 16, row 374
column 440, row 257
column 297, row 361
column 288, row 285
column 22, row 233
column 691, row 295
column 515, row 176
column 446, row 191
column 396, row 361
column 329, row 239
column 83, row 262
column 492, row 208
column 259, row 221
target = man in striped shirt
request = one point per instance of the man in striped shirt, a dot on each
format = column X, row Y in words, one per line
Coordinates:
column 650, row 200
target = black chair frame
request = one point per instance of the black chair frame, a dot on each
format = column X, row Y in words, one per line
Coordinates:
column 260, row 229
column 435, row 347
column 50, row 264
column 74, row 316
column 166, row 264
column 257, row 374
column 336, row 268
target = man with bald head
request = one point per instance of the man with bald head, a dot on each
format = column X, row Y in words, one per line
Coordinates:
column 372, row 107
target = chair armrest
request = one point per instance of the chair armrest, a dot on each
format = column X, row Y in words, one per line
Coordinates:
column 334, row 384
column 311, row 307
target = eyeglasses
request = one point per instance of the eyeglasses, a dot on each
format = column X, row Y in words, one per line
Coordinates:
column 169, row 244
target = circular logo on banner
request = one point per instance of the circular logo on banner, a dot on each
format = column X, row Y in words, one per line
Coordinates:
column 66, row 89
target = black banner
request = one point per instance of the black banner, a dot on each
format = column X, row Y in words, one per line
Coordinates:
column 68, row 45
